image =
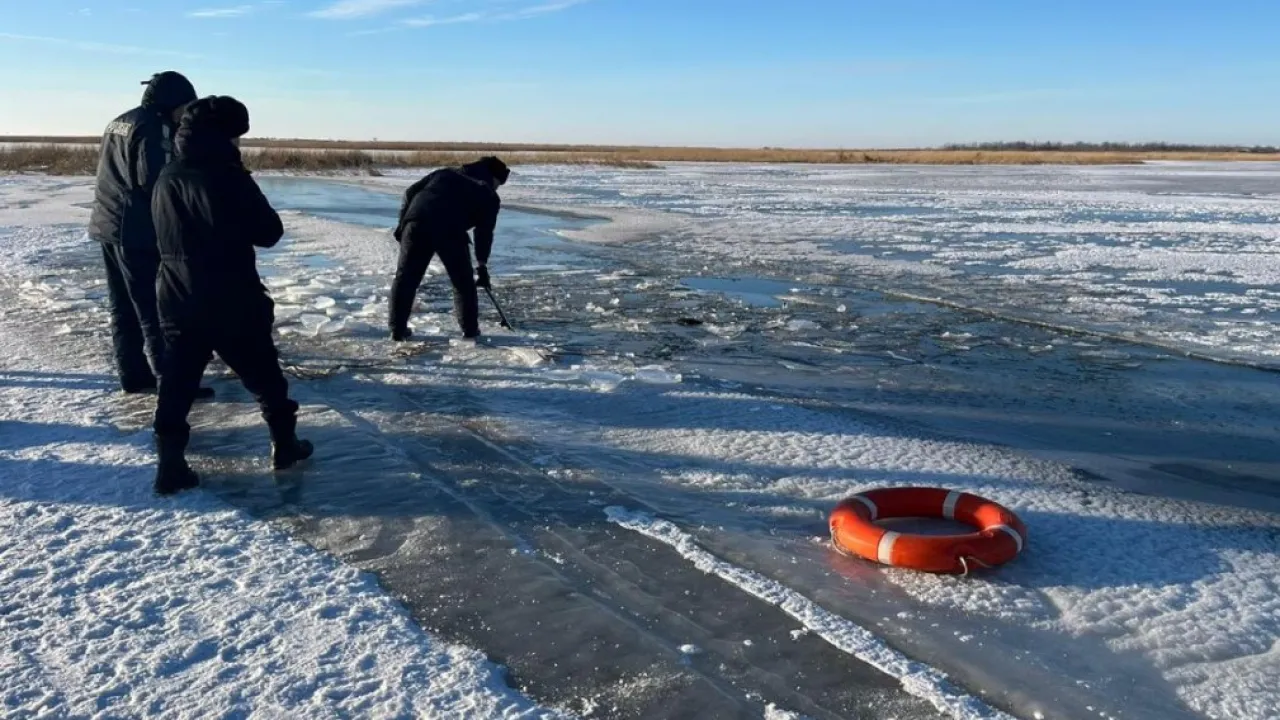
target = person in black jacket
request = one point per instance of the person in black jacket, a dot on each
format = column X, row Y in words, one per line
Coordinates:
column 135, row 148
column 435, row 215
column 209, row 216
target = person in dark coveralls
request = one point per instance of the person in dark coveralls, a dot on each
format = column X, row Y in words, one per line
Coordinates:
column 435, row 215
column 135, row 148
column 209, row 216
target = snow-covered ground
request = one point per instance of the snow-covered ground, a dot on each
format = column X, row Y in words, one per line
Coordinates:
column 725, row 440
column 114, row 603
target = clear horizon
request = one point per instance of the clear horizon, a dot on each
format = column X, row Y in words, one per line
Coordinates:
column 809, row 74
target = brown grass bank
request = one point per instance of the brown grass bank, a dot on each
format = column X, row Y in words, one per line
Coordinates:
column 314, row 160
column 79, row 155
column 67, row 159
column 52, row 159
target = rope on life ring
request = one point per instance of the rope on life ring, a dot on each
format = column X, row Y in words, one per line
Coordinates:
column 999, row 538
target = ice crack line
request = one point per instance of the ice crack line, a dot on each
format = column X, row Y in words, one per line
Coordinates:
column 917, row 678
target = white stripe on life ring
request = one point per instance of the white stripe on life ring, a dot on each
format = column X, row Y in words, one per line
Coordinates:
column 884, row 549
column 875, row 511
column 949, row 505
column 1016, row 537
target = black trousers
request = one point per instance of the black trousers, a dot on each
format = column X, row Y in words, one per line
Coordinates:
column 135, row 322
column 248, row 349
column 417, row 246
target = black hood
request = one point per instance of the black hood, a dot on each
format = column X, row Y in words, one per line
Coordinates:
column 167, row 91
column 207, row 128
column 486, row 168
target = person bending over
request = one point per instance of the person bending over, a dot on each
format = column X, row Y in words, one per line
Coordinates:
column 435, row 215
column 209, row 215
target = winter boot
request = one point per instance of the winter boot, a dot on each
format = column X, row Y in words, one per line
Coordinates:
column 286, row 449
column 401, row 334
column 139, row 386
column 172, row 472
column 467, row 313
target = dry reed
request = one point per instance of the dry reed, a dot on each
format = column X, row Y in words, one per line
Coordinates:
column 50, row 159
column 64, row 159
column 78, row 156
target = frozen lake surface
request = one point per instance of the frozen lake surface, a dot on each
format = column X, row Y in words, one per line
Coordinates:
column 623, row 500
column 1183, row 254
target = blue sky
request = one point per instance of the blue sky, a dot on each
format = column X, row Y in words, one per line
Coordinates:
column 800, row 73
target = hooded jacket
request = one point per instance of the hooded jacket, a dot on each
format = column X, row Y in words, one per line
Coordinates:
column 135, row 148
column 453, row 200
column 209, row 215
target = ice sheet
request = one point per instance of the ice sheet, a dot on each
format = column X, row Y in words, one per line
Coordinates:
column 1183, row 254
column 1181, row 589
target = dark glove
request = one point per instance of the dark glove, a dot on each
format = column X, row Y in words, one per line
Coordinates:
column 482, row 277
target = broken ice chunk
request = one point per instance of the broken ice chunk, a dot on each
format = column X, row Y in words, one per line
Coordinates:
column 312, row 321
column 726, row 331
column 288, row 312
column 657, row 375
column 329, row 327
column 561, row 374
column 526, row 356
column 299, row 294
column 602, row 380
column 357, row 326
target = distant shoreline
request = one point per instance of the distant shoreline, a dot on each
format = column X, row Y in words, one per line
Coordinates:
column 78, row 155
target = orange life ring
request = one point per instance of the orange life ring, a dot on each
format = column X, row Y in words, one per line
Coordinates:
column 999, row 539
